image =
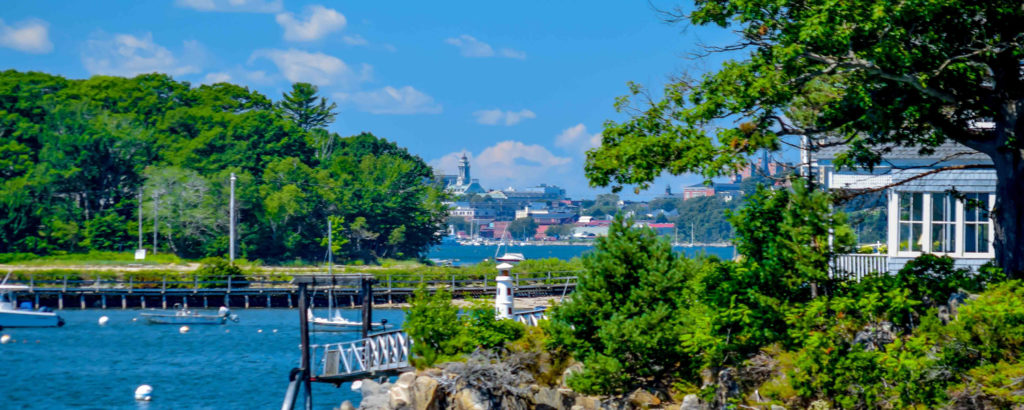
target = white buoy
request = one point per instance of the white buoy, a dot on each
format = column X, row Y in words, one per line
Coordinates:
column 103, row 320
column 144, row 393
column 4, row 339
column 259, row 330
column 227, row 330
column 357, row 385
column 134, row 319
column 183, row 329
column 274, row 331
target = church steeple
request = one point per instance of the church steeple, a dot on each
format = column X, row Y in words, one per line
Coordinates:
column 463, row 178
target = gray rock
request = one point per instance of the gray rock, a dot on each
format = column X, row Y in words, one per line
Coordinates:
column 424, row 394
column 727, row 387
column 691, row 402
column 875, row 337
column 376, row 396
column 400, row 394
column 956, row 300
column 777, row 407
column 643, row 399
column 574, row 368
column 346, row 405
column 469, row 399
column 549, row 398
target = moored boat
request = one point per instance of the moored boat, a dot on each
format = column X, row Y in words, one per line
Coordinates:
column 182, row 316
column 11, row 316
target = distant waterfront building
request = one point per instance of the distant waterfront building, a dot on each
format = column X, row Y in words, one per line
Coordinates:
column 697, row 191
column 461, row 183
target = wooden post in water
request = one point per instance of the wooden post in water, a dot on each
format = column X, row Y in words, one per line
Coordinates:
column 304, row 341
column 367, row 294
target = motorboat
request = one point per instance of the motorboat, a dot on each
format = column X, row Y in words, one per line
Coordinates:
column 25, row 316
column 510, row 257
column 338, row 323
column 183, row 316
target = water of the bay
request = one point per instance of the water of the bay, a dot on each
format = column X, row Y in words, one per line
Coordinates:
column 467, row 254
column 240, row 365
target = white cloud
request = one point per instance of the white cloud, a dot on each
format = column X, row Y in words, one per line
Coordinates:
column 317, row 22
column 390, row 100
column 30, row 36
column 516, row 54
column 469, row 46
column 578, row 136
column 316, row 68
column 510, row 163
column 496, row 116
column 245, row 6
column 354, row 40
column 218, row 77
column 128, row 55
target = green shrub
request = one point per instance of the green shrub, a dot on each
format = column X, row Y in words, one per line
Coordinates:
column 219, row 271
column 433, row 323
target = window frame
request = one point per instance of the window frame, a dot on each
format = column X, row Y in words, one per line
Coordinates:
column 959, row 224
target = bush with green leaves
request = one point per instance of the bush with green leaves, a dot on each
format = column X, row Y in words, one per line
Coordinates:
column 440, row 333
column 219, row 271
column 627, row 318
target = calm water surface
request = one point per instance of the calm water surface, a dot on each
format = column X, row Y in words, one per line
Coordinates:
column 467, row 254
column 234, row 366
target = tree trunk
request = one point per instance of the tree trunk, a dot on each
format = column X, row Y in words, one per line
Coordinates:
column 1008, row 214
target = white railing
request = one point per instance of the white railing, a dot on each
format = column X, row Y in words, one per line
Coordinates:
column 381, row 351
column 857, row 266
column 530, row 317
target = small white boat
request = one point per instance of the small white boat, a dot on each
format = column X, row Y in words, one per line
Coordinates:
column 337, row 323
column 183, row 316
column 510, row 257
column 11, row 316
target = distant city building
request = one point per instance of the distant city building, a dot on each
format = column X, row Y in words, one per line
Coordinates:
column 763, row 166
column 697, row 191
column 461, row 183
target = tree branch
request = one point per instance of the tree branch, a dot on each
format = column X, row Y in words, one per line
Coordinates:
column 843, row 194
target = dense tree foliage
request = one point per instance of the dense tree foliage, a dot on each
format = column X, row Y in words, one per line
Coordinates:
column 76, row 156
column 773, row 328
column 522, row 228
column 868, row 75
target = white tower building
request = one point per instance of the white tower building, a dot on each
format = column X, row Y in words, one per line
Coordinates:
column 463, row 177
column 504, row 300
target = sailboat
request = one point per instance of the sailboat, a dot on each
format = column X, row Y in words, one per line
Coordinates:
column 507, row 256
column 335, row 322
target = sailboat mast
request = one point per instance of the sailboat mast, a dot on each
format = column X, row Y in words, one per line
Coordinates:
column 330, row 266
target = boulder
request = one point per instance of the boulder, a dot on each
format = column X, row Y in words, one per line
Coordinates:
column 588, row 403
column 424, row 394
column 691, row 402
column 956, row 300
column 552, row 399
column 400, row 394
column 346, row 405
column 777, row 407
column 727, row 387
column 573, row 368
column 376, row 396
column 469, row 399
column 643, row 399
column 875, row 337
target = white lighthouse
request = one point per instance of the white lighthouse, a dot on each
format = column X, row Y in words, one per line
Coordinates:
column 504, row 300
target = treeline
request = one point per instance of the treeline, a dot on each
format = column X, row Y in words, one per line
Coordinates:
column 78, row 156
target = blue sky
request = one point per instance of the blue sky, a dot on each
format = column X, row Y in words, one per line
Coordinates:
column 521, row 87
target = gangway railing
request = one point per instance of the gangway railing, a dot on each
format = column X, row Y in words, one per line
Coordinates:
column 380, row 353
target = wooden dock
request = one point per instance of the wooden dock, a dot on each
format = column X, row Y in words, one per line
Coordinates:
column 257, row 291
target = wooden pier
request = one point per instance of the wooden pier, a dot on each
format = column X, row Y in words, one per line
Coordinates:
column 256, row 291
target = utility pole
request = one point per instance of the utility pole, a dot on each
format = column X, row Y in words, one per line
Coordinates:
column 156, row 221
column 140, row 219
column 330, row 249
column 231, row 230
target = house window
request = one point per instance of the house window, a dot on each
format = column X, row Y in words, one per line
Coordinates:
column 911, row 221
column 943, row 223
column 976, row 223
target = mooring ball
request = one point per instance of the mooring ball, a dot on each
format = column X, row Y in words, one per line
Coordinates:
column 144, row 393
column 223, row 311
column 183, row 329
column 357, row 385
column 4, row 339
column 103, row 320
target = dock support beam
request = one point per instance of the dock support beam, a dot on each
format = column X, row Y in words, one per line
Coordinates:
column 206, row 303
column 304, row 340
column 124, row 302
column 246, row 301
column 81, row 300
column 143, row 300
column 60, row 301
column 104, row 299
column 367, row 294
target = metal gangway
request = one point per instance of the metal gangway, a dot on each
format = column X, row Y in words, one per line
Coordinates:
column 379, row 354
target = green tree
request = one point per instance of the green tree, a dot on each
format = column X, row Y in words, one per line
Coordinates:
column 868, row 75
column 522, row 228
column 626, row 320
column 306, row 109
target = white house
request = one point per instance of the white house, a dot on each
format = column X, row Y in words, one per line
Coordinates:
column 940, row 212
